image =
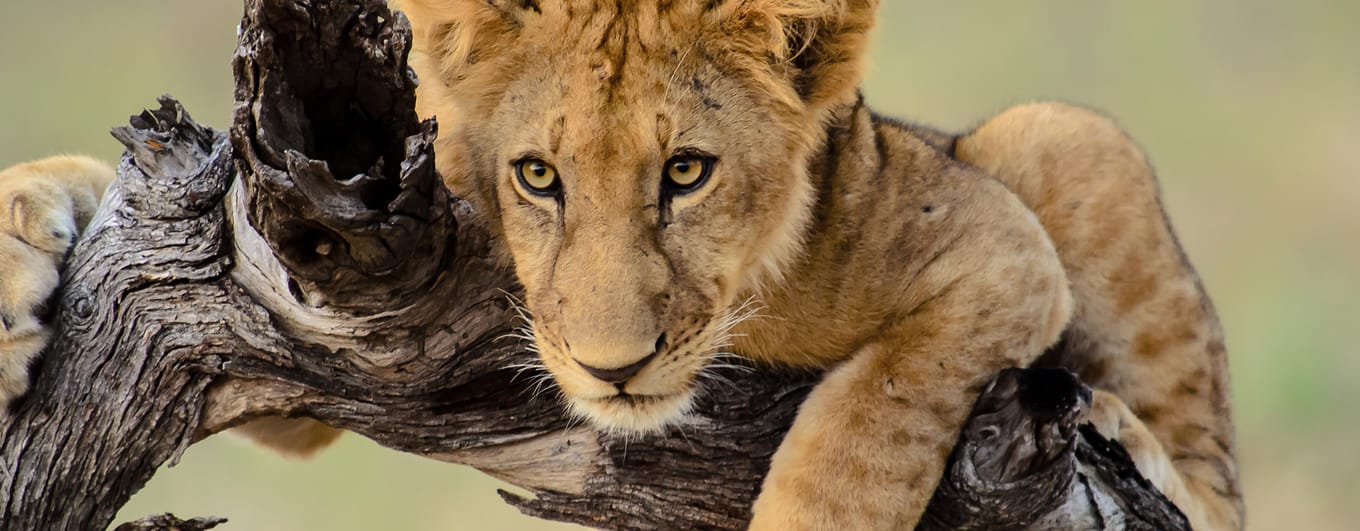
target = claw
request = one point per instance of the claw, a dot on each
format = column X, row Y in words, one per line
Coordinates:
column 6, row 321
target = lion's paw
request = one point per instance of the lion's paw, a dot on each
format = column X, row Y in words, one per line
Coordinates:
column 41, row 214
column 42, row 207
column 1113, row 419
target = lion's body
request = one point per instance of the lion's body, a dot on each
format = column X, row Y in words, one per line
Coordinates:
column 910, row 263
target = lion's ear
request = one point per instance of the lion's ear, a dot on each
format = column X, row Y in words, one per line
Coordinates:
column 825, row 42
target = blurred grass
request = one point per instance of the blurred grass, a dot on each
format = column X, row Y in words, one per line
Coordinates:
column 1250, row 110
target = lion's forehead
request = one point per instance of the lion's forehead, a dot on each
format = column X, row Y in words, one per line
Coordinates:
column 616, row 43
column 611, row 23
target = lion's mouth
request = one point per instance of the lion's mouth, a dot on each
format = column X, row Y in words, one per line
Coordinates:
column 634, row 400
column 634, row 413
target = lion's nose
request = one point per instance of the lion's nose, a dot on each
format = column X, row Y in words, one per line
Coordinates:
column 621, row 375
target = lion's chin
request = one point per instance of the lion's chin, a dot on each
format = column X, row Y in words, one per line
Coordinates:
column 634, row 414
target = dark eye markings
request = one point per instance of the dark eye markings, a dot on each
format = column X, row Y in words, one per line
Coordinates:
column 702, row 91
column 684, row 173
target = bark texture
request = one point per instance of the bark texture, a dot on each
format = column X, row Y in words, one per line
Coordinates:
column 168, row 522
column 310, row 264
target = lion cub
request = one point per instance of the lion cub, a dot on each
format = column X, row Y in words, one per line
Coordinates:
column 674, row 178
column 660, row 170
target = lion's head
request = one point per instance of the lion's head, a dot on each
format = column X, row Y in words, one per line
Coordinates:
column 645, row 163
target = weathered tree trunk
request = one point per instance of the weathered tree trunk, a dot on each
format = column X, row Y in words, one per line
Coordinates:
column 313, row 265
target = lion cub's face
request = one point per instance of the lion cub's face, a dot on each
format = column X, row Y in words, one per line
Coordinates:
column 646, row 170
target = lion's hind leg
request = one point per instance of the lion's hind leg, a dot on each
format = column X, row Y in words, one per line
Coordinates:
column 1143, row 327
column 289, row 437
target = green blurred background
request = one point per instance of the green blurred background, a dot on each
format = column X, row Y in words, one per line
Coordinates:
column 1250, row 110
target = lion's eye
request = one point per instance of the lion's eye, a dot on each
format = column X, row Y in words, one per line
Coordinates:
column 537, row 177
column 686, row 173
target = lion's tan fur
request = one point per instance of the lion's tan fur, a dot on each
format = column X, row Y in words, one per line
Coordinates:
column 911, row 263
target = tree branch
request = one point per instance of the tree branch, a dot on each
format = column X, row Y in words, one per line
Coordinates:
column 168, row 522
column 312, row 265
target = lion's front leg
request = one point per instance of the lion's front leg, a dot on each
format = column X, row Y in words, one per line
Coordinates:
column 869, row 445
column 872, row 440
